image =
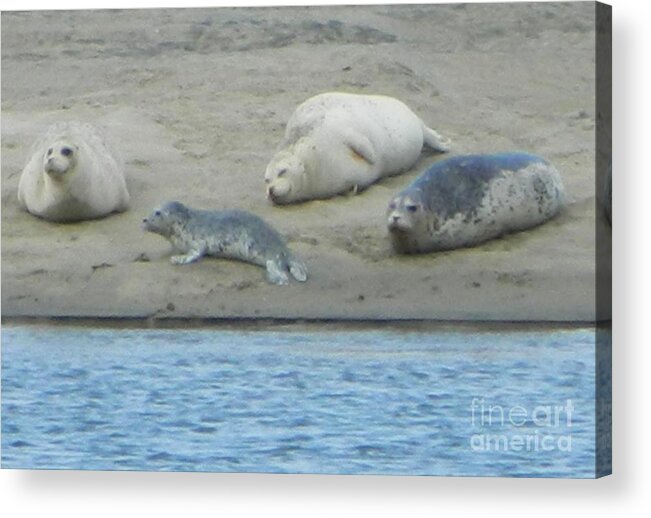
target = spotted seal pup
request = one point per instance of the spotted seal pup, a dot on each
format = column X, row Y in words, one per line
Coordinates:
column 232, row 234
column 71, row 176
column 338, row 142
column 465, row 200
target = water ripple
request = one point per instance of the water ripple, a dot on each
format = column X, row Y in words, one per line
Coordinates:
column 294, row 402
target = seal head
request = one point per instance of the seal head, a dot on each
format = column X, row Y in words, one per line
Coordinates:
column 408, row 219
column 285, row 177
column 165, row 219
column 405, row 212
column 60, row 158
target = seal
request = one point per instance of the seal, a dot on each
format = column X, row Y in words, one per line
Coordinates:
column 466, row 200
column 71, row 175
column 231, row 234
column 337, row 142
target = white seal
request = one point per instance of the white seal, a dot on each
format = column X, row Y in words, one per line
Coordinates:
column 466, row 200
column 71, row 176
column 337, row 142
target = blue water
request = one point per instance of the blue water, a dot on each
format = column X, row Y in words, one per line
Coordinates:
column 300, row 401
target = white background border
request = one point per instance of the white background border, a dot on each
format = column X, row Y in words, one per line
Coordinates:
column 108, row 494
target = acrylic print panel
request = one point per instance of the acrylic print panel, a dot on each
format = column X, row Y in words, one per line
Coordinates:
column 390, row 304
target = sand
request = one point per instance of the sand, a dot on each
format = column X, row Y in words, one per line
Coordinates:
column 195, row 101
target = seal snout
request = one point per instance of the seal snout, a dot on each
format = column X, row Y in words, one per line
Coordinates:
column 398, row 218
column 397, row 222
column 54, row 168
column 278, row 190
column 271, row 193
column 394, row 219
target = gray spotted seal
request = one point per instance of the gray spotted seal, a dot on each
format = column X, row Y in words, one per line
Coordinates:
column 71, row 175
column 337, row 142
column 465, row 200
column 231, row 234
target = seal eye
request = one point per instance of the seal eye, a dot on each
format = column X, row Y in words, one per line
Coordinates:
column 66, row 151
column 282, row 172
column 157, row 213
column 412, row 208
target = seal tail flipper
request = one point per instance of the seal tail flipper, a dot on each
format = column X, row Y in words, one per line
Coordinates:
column 297, row 269
column 435, row 141
column 274, row 274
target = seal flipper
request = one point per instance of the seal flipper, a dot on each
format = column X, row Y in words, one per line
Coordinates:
column 360, row 146
column 435, row 141
column 297, row 269
column 274, row 274
column 191, row 257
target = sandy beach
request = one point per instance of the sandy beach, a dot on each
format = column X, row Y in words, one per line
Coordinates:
column 195, row 101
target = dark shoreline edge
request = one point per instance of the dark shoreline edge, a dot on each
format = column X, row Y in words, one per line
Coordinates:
column 293, row 324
